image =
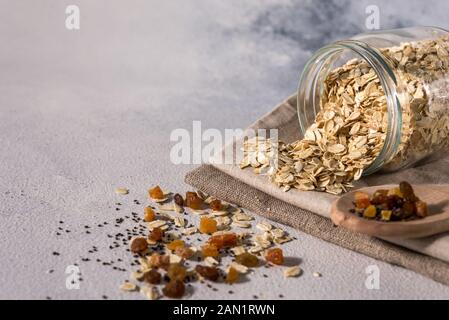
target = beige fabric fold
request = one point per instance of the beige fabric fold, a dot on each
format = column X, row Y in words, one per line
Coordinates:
column 309, row 211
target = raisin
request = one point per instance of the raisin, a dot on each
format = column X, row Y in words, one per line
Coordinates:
column 407, row 191
column 226, row 240
column 209, row 250
column 208, row 225
column 275, row 256
column 178, row 200
column 175, row 244
column 153, row 277
column 209, row 273
column 408, row 209
column 421, row 209
column 156, row 234
column 176, row 272
column 184, row 252
column 247, row 259
column 156, row 193
column 216, row 205
column 174, row 289
column 361, row 200
column 159, row 261
column 138, row 244
column 193, row 201
column 393, row 202
column 149, row 214
column 232, row 276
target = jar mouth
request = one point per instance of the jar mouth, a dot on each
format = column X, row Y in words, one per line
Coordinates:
column 317, row 69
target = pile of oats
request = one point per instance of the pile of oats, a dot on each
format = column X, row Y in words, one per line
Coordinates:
column 350, row 129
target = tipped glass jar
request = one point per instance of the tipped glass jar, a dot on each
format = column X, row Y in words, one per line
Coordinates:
column 378, row 101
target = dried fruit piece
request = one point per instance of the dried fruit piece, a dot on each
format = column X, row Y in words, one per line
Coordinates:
column 175, row 244
column 207, row 225
column 370, row 212
column 174, row 289
column 421, row 209
column 361, row 200
column 385, row 215
column 149, row 214
column 152, row 277
column 275, row 256
column 128, row 286
column 156, row 193
column 209, row 273
column 184, row 252
column 232, row 276
column 408, row 209
column 225, row 240
column 176, row 272
column 178, row 199
column 407, row 191
column 193, row 201
column 216, row 205
column 121, row 191
column 395, row 192
column 292, row 272
column 138, row 244
column 209, row 250
column 156, row 234
column 247, row 259
column 157, row 260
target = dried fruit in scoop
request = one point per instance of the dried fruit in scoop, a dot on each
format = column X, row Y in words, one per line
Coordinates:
column 395, row 204
column 156, row 193
column 178, row 199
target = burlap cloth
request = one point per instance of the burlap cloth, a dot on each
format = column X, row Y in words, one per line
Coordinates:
column 309, row 211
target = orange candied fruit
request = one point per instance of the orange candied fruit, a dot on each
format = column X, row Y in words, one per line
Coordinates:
column 156, row 234
column 275, row 256
column 232, row 276
column 225, row 240
column 362, row 200
column 216, row 205
column 193, row 201
column 175, row 244
column 208, row 225
column 149, row 214
column 209, row 250
column 156, row 193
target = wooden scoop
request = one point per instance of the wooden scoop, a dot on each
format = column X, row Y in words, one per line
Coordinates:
column 436, row 196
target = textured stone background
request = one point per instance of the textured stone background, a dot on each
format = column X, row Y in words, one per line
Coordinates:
column 83, row 112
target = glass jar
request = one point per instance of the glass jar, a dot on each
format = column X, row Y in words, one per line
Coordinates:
column 399, row 82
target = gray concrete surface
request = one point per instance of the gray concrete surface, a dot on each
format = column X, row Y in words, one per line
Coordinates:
column 82, row 112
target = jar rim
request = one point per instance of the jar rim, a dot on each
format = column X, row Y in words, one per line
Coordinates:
column 309, row 81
